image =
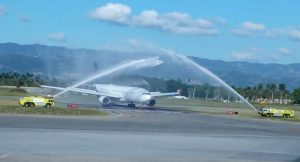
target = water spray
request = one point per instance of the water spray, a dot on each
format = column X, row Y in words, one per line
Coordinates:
column 184, row 58
column 136, row 64
column 206, row 71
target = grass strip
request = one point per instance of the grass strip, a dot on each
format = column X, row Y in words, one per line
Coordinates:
column 12, row 91
column 50, row 111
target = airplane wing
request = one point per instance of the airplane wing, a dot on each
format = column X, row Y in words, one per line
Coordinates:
column 87, row 91
column 157, row 94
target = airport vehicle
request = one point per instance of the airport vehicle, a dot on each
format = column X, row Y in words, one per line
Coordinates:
column 110, row 93
column 270, row 112
column 32, row 101
column 180, row 97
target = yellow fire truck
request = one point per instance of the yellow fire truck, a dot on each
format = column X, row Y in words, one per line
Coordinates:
column 32, row 101
column 270, row 112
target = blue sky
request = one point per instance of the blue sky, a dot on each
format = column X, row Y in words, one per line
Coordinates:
column 239, row 30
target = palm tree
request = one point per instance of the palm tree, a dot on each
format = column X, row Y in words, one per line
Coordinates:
column 286, row 96
column 282, row 89
column 267, row 91
column 260, row 89
column 248, row 93
column 207, row 91
column 273, row 88
column 216, row 92
column 254, row 93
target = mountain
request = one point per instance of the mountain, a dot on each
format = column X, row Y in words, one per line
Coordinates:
column 74, row 63
column 249, row 74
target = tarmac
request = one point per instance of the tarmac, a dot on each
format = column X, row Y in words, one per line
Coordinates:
column 134, row 135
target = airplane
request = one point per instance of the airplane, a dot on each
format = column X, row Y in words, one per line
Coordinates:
column 110, row 93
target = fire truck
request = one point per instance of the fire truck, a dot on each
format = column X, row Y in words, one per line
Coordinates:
column 271, row 112
column 33, row 101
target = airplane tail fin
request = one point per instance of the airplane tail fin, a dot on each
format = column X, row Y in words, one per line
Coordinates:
column 179, row 91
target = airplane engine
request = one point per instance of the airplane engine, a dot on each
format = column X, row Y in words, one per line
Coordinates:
column 104, row 100
column 151, row 103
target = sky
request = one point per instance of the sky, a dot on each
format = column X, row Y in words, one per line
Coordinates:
column 239, row 30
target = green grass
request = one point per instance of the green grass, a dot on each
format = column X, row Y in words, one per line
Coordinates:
column 10, row 105
column 197, row 103
column 49, row 111
column 279, row 106
column 220, row 108
column 12, row 92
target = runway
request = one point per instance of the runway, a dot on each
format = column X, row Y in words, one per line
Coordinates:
column 146, row 135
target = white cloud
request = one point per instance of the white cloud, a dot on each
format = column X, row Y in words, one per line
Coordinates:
column 113, row 12
column 249, row 29
column 272, row 33
column 173, row 22
column 249, row 56
column 283, row 51
column 177, row 17
column 294, row 35
column 2, row 10
column 286, row 32
column 183, row 23
column 251, row 26
column 148, row 18
column 278, row 32
column 57, row 37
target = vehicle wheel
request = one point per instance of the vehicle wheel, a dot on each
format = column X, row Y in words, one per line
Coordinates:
column 31, row 104
column 288, row 115
column 26, row 104
column 47, row 105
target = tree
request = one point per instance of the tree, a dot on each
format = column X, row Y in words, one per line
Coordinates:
column 260, row 89
column 296, row 95
column 286, row 92
column 272, row 89
column 254, row 93
column 208, row 90
column 282, row 89
column 16, row 79
column 216, row 93
column 249, row 93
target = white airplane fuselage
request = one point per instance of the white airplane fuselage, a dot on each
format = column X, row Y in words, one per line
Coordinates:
column 124, row 94
column 109, row 93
